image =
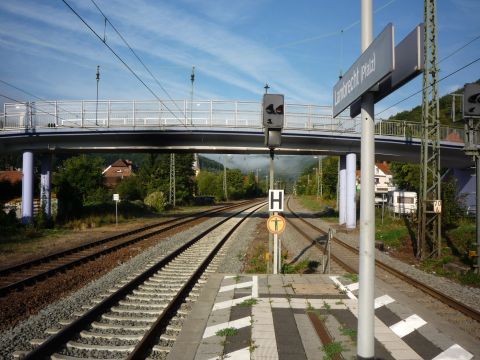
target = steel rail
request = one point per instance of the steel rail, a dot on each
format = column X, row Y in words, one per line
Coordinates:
column 51, row 344
column 147, row 341
column 316, row 244
column 104, row 250
column 448, row 300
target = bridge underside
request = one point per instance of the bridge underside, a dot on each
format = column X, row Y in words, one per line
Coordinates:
column 222, row 141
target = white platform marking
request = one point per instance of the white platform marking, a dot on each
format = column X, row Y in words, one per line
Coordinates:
column 242, row 354
column 454, row 352
column 229, row 303
column 237, row 324
column 236, row 286
column 342, row 287
column 382, row 301
column 410, row 324
column 353, row 286
column 229, row 276
column 255, row 286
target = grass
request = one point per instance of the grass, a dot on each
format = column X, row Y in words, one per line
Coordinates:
column 248, row 302
column 351, row 276
column 256, row 262
column 302, row 267
column 392, row 232
column 323, row 207
column 230, row 331
column 351, row 333
column 331, row 350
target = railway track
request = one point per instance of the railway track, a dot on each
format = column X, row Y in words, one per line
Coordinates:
column 140, row 317
column 30, row 272
column 347, row 256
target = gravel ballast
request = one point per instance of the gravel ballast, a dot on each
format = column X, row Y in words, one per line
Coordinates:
column 18, row 337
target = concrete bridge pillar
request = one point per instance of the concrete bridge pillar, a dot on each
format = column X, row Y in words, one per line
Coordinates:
column 46, row 184
column 466, row 186
column 342, row 191
column 27, row 187
column 351, row 205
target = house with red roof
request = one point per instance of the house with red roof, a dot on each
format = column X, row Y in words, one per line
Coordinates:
column 116, row 172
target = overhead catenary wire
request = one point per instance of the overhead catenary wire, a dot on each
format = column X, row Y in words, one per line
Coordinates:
column 135, row 54
column 121, row 60
column 35, row 96
column 331, row 33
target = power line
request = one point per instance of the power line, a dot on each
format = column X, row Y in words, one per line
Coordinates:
column 135, row 54
column 35, row 96
column 121, row 60
column 329, row 34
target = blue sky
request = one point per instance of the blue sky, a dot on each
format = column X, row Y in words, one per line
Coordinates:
column 236, row 47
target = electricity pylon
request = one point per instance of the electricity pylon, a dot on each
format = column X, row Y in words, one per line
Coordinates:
column 429, row 222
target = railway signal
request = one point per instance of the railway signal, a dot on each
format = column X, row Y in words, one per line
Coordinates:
column 273, row 119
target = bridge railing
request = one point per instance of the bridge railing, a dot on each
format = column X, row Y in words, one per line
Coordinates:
column 87, row 114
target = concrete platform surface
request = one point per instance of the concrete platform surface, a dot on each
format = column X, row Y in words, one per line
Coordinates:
column 298, row 317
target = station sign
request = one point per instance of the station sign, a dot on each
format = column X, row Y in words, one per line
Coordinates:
column 409, row 63
column 376, row 62
column 276, row 224
column 116, row 197
column 275, row 200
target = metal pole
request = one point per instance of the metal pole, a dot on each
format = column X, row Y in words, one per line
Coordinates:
column 116, row 213
column 225, row 179
column 320, row 166
column 96, row 105
column 477, row 212
column 270, row 238
column 275, row 253
column 192, row 79
column 366, row 314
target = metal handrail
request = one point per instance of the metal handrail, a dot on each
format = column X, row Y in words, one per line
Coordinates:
column 202, row 113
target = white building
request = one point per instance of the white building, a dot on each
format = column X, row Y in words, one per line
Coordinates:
column 383, row 181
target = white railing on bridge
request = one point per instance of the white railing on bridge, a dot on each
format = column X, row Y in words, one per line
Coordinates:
column 199, row 114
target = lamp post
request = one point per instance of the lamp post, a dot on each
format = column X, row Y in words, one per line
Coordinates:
column 96, row 105
column 192, row 79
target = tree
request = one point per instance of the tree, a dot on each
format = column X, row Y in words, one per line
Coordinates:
column 251, row 187
column 406, row 176
column 131, row 188
column 209, row 184
column 330, row 177
column 79, row 181
column 235, row 184
column 154, row 175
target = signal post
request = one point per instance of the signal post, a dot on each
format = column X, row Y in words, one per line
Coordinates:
column 273, row 120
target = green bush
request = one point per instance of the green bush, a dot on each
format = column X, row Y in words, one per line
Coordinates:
column 156, row 200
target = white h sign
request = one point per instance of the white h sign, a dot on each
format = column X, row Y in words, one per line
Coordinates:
column 275, row 200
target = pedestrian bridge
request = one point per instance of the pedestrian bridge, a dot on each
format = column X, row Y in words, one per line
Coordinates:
column 206, row 126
